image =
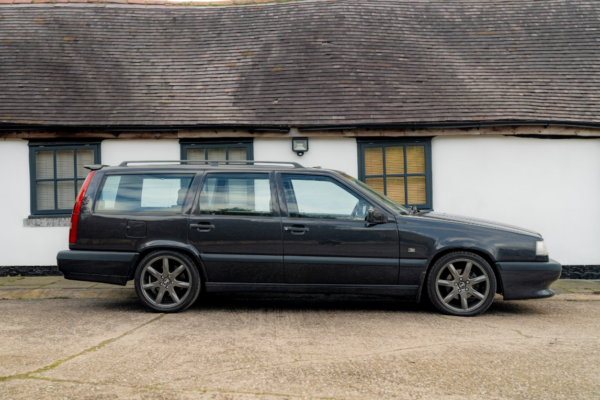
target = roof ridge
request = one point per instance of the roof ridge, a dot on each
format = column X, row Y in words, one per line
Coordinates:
column 144, row 3
column 192, row 3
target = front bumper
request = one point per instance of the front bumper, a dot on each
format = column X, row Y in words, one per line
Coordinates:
column 96, row 266
column 528, row 280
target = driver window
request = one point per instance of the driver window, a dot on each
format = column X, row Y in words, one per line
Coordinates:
column 322, row 197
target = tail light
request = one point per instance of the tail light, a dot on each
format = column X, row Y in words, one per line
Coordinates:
column 77, row 209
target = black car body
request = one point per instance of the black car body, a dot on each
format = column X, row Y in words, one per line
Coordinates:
column 379, row 248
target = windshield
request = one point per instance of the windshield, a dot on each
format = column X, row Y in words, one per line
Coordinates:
column 384, row 199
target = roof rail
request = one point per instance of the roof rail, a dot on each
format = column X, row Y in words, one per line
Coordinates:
column 211, row 162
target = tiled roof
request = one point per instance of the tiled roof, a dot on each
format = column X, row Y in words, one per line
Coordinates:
column 300, row 63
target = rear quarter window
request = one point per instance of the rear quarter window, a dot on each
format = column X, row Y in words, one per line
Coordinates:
column 151, row 193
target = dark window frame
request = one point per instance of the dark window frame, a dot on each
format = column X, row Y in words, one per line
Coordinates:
column 248, row 144
column 426, row 142
column 49, row 146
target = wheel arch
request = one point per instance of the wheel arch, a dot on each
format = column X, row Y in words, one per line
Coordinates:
column 478, row 251
column 188, row 250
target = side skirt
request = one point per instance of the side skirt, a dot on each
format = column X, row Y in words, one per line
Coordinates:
column 384, row 290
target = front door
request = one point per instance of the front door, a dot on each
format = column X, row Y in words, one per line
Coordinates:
column 236, row 226
column 326, row 239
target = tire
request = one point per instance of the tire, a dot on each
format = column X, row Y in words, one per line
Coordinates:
column 170, row 287
column 473, row 294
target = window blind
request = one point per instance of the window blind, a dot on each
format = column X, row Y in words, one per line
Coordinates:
column 57, row 173
column 217, row 153
column 397, row 170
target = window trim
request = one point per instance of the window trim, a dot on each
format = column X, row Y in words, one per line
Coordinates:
column 426, row 142
column 45, row 146
column 247, row 143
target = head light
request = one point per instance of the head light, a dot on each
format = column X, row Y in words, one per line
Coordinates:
column 541, row 249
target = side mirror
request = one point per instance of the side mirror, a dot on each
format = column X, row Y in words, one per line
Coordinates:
column 374, row 216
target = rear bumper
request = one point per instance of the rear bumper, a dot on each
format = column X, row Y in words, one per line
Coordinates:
column 96, row 266
column 528, row 280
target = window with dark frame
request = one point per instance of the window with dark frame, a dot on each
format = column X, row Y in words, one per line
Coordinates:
column 57, row 173
column 234, row 150
column 400, row 169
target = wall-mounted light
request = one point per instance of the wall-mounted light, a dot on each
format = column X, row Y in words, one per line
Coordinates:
column 300, row 145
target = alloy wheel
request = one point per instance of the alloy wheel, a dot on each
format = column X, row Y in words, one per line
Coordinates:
column 462, row 285
column 166, row 281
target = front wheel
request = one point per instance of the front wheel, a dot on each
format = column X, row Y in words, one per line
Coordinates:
column 167, row 281
column 461, row 284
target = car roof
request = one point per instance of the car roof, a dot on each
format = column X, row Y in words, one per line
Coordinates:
column 216, row 165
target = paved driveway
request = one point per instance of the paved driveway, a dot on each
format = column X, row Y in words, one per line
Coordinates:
column 282, row 347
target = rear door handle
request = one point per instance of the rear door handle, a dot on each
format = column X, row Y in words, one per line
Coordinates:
column 203, row 226
column 296, row 230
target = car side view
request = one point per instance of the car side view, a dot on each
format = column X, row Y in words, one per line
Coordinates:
column 181, row 227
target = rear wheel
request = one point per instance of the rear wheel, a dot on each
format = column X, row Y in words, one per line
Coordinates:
column 461, row 284
column 167, row 281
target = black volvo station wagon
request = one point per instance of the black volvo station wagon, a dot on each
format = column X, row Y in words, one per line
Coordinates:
column 181, row 227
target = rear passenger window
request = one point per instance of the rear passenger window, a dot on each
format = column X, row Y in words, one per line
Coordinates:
column 144, row 193
column 236, row 194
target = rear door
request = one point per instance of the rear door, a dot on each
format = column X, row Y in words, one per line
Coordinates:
column 326, row 239
column 236, row 226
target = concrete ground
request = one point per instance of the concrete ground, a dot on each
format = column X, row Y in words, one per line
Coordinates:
column 76, row 340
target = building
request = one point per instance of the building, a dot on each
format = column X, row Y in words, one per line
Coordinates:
column 482, row 109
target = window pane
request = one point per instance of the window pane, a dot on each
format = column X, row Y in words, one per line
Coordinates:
column 216, row 154
column 394, row 160
column 66, row 194
column 322, row 197
column 144, row 193
column 236, row 194
column 108, row 195
column 415, row 159
column 416, row 190
column 237, row 153
column 84, row 157
column 65, row 164
column 44, row 166
column 395, row 189
column 79, row 184
column 195, row 154
column 376, row 183
column 45, row 195
column 374, row 161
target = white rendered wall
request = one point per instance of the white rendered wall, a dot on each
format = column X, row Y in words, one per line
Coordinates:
column 551, row 186
column 115, row 151
column 21, row 245
column 547, row 185
column 335, row 153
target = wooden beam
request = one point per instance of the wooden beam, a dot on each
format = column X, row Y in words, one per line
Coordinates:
column 230, row 133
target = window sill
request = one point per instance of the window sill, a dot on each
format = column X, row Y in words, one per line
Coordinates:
column 35, row 221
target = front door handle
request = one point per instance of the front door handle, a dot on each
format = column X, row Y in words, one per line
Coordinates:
column 296, row 229
column 203, row 226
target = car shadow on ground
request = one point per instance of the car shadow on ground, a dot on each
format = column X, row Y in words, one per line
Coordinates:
column 340, row 303
column 316, row 303
column 300, row 302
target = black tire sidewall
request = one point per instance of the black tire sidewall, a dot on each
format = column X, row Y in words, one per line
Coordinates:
column 194, row 288
column 439, row 264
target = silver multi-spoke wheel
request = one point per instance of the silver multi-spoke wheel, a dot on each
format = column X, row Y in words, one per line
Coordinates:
column 462, row 285
column 166, row 281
